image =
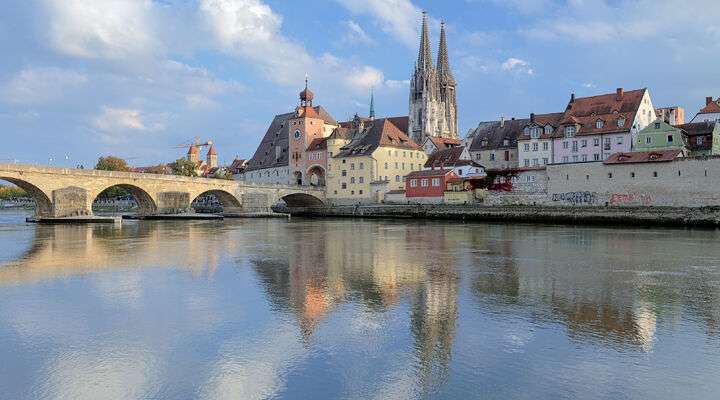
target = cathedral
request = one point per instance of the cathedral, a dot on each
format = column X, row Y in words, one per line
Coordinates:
column 433, row 107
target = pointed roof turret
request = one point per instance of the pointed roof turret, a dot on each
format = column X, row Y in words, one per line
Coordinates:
column 371, row 114
column 193, row 149
column 443, row 62
column 424, row 55
column 212, row 151
column 306, row 96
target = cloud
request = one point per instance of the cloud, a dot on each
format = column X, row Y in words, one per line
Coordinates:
column 355, row 33
column 517, row 65
column 38, row 85
column 112, row 29
column 397, row 84
column 398, row 18
column 365, row 77
column 116, row 119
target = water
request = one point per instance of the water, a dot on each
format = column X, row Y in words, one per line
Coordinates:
column 357, row 309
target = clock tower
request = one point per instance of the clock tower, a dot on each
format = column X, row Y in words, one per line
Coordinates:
column 304, row 126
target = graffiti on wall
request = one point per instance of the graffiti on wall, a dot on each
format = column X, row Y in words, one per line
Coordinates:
column 617, row 199
column 574, row 197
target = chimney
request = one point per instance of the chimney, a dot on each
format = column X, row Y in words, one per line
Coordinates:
column 708, row 100
column 502, row 121
column 532, row 117
column 619, row 94
column 572, row 97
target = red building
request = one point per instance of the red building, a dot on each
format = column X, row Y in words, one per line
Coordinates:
column 430, row 183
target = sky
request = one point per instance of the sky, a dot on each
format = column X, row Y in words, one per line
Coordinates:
column 81, row 79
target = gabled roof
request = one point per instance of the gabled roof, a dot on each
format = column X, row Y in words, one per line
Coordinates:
column 442, row 142
column 450, row 157
column 401, row 123
column 495, row 132
column 318, row 144
column 377, row 133
column 643, row 156
column 541, row 121
column 711, row 106
column 609, row 108
column 697, row 128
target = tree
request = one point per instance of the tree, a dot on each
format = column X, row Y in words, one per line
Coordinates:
column 223, row 173
column 12, row 192
column 183, row 167
column 112, row 163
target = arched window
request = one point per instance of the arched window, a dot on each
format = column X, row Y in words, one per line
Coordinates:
column 599, row 124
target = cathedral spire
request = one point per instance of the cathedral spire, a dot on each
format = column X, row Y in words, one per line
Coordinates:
column 424, row 55
column 372, row 104
column 443, row 63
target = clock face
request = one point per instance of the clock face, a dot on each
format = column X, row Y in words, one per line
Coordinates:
column 297, row 135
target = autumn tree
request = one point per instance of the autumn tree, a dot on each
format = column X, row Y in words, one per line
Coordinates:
column 112, row 163
column 183, row 167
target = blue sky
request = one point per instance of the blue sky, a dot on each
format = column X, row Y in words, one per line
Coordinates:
column 135, row 78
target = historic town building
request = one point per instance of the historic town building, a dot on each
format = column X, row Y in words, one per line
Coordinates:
column 494, row 144
column 457, row 159
column 433, row 105
column 535, row 142
column 709, row 113
column 659, row 135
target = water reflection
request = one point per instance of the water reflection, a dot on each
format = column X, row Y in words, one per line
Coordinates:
column 352, row 309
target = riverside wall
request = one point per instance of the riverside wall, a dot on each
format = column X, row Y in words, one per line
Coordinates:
column 580, row 215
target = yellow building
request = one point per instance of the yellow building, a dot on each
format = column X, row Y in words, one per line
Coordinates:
column 366, row 158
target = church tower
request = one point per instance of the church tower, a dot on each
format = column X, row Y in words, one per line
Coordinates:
column 432, row 110
column 447, row 85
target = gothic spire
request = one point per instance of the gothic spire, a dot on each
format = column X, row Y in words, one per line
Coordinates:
column 424, row 55
column 443, row 63
column 372, row 104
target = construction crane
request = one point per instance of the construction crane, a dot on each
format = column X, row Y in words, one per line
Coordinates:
column 196, row 143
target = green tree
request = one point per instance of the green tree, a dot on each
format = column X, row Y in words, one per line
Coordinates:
column 11, row 192
column 183, row 167
column 223, row 173
column 112, row 163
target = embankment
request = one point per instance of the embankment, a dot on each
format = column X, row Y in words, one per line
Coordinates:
column 623, row 216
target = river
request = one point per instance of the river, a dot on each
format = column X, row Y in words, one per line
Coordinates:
column 357, row 309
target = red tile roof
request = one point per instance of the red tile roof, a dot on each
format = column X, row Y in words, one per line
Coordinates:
column 541, row 121
column 643, row 156
column 449, row 157
column 318, row 144
column 711, row 106
column 378, row 133
column 442, row 142
column 212, row 151
column 610, row 108
column 401, row 123
column 429, row 172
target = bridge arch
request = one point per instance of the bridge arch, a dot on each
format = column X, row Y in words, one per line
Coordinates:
column 226, row 199
column 43, row 204
column 146, row 203
column 302, row 200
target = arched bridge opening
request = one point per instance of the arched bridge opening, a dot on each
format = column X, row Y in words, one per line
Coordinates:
column 302, row 200
column 215, row 201
column 124, row 197
column 43, row 204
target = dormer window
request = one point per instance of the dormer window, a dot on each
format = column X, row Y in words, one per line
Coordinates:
column 621, row 122
column 599, row 124
column 548, row 129
column 535, row 132
column 484, row 143
column 570, row 131
column 506, row 142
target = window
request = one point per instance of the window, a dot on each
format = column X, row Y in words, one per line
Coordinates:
column 397, row 178
column 583, row 143
column 654, row 174
column 621, row 122
column 608, row 143
column 386, row 165
column 343, row 185
column 361, row 179
column 492, row 156
column 575, row 158
column 396, row 165
column 506, row 142
column 535, row 132
column 436, row 182
column 507, row 155
column 424, row 182
column 343, row 173
column 574, row 146
column 360, row 192
column 596, row 157
column 657, row 125
column 362, row 165
column 526, row 147
column 584, row 157
column 632, row 175
column 352, row 166
column 648, row 140
column 599, row 124
column 699, row 140
column 609, row 175
column 545, row 161
column 619, row 140
column 565, row 159
column 535, row 146
column 526, row 162
column 413, row 182
column 570, row 131
column 403, row 166
column 478, row 156
column 535, row 162
column 352, row 192
column 352, row 180
column 670, row 138
column 548, row 129
column 344, row 161
column 596, row 142
column 459, row 172
column 566, row 144
column 545, row 146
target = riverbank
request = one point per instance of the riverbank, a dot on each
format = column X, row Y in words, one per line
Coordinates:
column 622, row 216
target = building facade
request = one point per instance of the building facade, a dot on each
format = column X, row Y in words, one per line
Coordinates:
column 701, row 138
column 535, row 147
column 494, row 144
column 432, row 105
column 593, row 128
column 659, row 135
column 456, row 159
column 429, row 185
column 709, row 113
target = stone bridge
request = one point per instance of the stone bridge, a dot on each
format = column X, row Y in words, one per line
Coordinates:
column 65, row 192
